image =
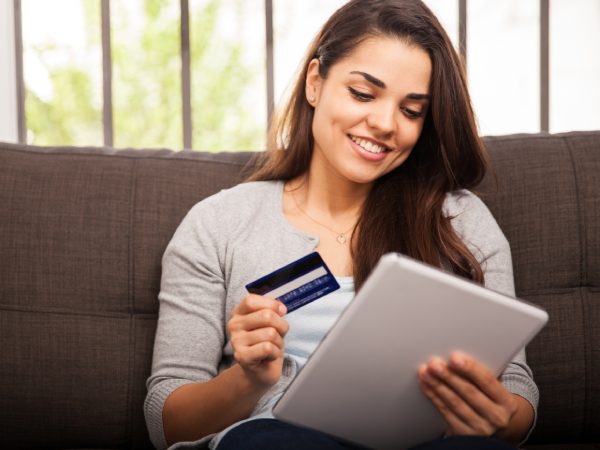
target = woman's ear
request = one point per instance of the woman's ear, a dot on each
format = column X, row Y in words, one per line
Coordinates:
column 313, row 82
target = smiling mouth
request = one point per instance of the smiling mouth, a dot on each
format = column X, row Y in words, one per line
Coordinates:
column 369, row 146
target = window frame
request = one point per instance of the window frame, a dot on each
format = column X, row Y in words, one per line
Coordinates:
column 187, row 110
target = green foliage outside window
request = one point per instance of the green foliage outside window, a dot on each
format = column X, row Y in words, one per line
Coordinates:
column 220, row 81
column 72, row 114
column 147, row 109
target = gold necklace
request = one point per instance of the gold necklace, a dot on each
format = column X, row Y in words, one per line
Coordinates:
column 341, row 238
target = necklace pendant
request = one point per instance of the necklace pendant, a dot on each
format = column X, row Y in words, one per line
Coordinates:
column 341, row 238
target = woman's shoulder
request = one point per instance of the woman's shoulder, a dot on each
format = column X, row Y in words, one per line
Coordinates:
column 239, row 200
column 465, row 209
column 223, row 214
column 254, row 189
column 463, row 201
column 472, row 220
column 478, row 229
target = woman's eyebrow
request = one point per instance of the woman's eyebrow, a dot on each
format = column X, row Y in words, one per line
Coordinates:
column 370, row 78
column 418, row 97
column 380, row 84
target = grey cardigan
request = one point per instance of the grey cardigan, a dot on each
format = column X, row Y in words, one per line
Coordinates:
column 240, row 234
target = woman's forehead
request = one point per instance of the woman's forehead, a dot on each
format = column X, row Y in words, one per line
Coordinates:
column 389, row 60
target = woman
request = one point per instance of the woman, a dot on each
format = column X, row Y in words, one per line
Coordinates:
column 374, row 153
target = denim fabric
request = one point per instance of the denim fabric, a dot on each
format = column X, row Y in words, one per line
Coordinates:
column 271, row 434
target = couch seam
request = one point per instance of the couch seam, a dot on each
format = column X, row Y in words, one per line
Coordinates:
column 67, row 312
column 131, row 303
column 550, row 291
column 582, row 280
column 581, row 219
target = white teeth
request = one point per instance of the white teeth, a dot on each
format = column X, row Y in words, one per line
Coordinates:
column 368, row 145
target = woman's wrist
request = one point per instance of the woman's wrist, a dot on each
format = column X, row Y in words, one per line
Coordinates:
column 242, row 385
column 520, row 423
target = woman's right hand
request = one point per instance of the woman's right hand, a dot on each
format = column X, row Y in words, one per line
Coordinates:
column 256, row 330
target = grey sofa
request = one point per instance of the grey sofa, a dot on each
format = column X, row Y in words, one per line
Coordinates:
column 82, row 232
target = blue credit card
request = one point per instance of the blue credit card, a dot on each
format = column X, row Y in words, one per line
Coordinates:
column 300, row 282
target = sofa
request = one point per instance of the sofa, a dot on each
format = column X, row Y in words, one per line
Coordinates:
column 82, row 232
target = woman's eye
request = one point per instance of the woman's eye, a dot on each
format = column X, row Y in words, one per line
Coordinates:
column 360, row 96
column 412, row 113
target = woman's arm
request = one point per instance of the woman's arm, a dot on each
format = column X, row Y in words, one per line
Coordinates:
column 188, row 395
column 196, row 410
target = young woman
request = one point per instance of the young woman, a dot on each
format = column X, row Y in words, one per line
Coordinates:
column 375, row 152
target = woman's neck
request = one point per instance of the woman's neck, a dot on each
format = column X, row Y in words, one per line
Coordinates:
column 331, row 197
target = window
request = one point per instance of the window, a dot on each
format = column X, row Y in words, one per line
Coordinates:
column 447, row 13
column 205, row 74
column 146, row 73
column 296, row 24
column 575, row 65
column 503, row 44
column 62, row 72
column 228, row 74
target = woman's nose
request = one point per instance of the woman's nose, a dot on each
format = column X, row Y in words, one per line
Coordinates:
column 383, row 119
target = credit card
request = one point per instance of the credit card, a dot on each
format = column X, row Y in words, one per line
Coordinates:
column 298, row 283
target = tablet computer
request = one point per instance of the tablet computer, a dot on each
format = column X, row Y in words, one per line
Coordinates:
column 361, row 383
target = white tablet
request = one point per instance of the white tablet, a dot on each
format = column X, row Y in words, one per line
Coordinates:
column 361, row 382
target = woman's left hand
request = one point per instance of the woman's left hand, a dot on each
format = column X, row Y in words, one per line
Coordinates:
column 470, row 398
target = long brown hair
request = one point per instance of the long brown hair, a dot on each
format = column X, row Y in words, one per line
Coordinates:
column 403, row 211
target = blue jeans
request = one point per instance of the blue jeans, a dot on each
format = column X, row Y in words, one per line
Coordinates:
column 272, row 434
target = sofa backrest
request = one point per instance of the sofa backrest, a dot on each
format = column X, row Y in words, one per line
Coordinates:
column 547, row 202
column 82, row 232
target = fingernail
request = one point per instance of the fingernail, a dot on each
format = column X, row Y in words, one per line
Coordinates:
column 423, row 375
column 282, row 309
column 437, row 367
column 457, row 360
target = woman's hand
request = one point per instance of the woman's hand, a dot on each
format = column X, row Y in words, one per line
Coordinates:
column 472, row 400
column 257, row 328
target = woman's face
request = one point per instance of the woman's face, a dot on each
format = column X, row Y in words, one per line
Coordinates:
column 370, row 110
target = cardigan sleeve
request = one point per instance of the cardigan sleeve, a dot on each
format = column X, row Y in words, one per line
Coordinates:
column 190, row 333
column 478, row 229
